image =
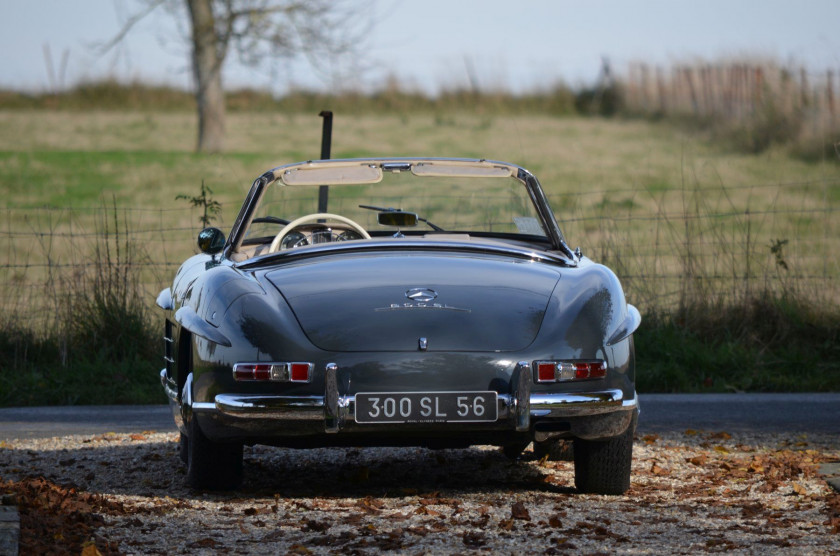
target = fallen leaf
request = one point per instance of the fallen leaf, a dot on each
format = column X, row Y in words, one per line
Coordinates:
column 206, row 542
column 89, row 549
column 370, row 505
column 656, row 470
column 474, row 538
column 315, row 525
column 519, row 511
column 698, row 460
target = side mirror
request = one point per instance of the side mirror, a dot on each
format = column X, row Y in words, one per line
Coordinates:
column 398, row 219
column 211, row 240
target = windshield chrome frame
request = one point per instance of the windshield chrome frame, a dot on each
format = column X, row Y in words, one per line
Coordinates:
column 532, row 185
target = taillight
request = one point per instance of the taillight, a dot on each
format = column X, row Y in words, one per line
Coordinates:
column 563, row 371
column 272, row 372
column 299, row 372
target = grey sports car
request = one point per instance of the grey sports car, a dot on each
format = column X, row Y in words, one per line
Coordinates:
column 391, row 302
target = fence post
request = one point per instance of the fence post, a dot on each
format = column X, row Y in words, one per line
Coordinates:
column 803, row 88
column 660, row 85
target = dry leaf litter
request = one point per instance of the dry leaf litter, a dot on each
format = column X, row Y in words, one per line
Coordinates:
column 691, row 492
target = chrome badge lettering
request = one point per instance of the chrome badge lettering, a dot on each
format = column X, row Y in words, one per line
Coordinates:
column 421, row 298
column 423, row 295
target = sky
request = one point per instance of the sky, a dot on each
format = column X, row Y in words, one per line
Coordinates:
column 428, row 45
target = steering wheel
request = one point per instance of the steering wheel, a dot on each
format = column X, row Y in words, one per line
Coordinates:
column 311, row 219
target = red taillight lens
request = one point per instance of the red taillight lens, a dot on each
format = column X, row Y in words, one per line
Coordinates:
column 299, row 372
column 272, row 372
column 250, row 371
column 563, row 371
column 598, row 369
column 262, row 372
column 545, row 372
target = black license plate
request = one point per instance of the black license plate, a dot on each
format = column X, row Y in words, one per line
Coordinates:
column 426, row 407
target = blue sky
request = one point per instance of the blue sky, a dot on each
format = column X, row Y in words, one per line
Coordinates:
column 432, row 44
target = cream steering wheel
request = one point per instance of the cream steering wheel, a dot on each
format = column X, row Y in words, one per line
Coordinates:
column 310, row 219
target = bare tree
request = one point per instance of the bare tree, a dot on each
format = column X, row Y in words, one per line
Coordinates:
column 256, row 30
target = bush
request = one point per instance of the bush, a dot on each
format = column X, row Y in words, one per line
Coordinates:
column 764, row 344
column 99, row 347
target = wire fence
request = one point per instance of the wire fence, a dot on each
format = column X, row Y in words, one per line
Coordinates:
column 722, row 242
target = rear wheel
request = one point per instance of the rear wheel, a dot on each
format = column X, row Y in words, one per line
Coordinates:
column 183, row 446
column 212, row 465
column 603, row 466
column 513, row 451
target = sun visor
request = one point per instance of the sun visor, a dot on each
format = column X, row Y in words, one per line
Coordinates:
column 332, row 175
column 450, row 170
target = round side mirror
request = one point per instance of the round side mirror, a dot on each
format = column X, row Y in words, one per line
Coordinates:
column 211, row 240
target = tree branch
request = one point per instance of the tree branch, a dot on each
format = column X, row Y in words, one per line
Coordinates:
column 129, row 25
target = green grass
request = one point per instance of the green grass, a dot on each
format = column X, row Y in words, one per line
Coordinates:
column 768, row 345
column 68, row 178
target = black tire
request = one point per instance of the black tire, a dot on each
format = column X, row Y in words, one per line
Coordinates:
column 603, row 466
column 183, row 446
column 212, row 465
column 557, row 450
column 513, row 451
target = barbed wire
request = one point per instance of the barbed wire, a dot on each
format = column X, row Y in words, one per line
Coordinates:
column 551, row 195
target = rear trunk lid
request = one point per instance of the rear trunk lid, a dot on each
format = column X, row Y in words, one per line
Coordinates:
column 399, row 302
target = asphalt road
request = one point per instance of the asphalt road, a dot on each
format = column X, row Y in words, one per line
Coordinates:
column 791, row 413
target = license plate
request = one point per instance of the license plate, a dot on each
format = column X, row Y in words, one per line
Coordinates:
column 426, row 407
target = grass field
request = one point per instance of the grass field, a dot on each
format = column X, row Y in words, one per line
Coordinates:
column 680, row 219
column 621, row 188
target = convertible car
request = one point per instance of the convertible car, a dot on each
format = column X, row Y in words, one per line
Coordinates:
column 398, row 302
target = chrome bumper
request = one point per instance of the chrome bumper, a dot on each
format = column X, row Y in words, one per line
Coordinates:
column 521, row 408
column 314, row 407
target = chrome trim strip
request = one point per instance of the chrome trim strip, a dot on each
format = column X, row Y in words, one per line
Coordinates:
column 310, row 408
column 522, row 396
column 332, row 419
column 541, row 203
column 584, row 403
column 170, row 392
column 377, row 245
column 186, row 392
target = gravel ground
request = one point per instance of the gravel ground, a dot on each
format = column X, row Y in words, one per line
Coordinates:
column 692, row 491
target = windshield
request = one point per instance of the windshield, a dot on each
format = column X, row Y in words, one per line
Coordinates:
column 447, row 200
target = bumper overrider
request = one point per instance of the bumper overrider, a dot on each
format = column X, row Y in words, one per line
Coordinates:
column 592, row 415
